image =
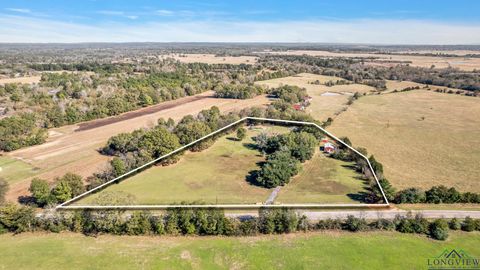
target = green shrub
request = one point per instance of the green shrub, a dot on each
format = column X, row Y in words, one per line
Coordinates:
column 355, row 224
column 439, row 229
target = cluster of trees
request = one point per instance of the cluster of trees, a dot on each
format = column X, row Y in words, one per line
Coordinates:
column 63, row 189
column 77, row 98
column 185, row 221
column 19, row 131
column 289, row 94
column 90, row 66
column 337, row 82
column 284, row 152
column 238, row 91
column 436, row 194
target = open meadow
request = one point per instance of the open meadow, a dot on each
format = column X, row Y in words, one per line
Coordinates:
column 74, row 148
column 218, row 175
column 323, row 180
column 27, row 79
column 324, row 250
column 215, row 175
column 423, row 138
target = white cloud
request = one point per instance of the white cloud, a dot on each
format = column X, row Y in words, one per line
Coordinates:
column 111, row 12
column 164, row 12
column 117, row 13
column 19, row 10
column 26, row 29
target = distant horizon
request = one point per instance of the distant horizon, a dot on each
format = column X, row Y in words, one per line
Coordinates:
column 403, row 22
column 234, row 42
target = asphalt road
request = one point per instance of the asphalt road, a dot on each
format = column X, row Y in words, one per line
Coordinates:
column 375, row 214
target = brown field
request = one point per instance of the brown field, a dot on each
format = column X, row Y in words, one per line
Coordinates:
column 462, row 63
column 422, row 138
column 399, row 85
column 305, row 80
column 74, row 149
column 29, row 80
column 322, row 106
column 212, row 59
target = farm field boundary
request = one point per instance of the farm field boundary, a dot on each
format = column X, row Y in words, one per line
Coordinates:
column 66, row 205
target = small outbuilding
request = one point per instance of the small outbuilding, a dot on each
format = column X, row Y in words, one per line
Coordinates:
column 329, row 148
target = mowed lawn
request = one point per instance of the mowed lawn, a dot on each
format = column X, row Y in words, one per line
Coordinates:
column 323, row 180
column 215, row 175
column 328, row 250
column 422, row 138
column 14, row 170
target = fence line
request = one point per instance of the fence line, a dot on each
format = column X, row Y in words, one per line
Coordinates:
column 66, row 205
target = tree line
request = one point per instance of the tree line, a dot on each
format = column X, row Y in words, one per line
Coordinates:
column 185, row 221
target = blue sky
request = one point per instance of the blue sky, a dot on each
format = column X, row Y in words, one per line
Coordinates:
column 366, row 21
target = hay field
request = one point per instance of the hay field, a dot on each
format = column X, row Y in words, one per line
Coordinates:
column 27, row 80
column 322, row 250
column 322, row 106
column 305, row 80
column 215, row 175
column 71, row 150
column 211, row 59
column 399, row 85
column 463, row 63
column 13, row 170
column 323, row 180
column 422, row 138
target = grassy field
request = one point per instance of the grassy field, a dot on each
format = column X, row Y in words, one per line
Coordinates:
column 322, row 106
column 215, row 175
column 322, row 180
column 399, row 85
column 329, row 250
column 305, row 80
column 27, row 80
column 422, row 138
column 14, row 170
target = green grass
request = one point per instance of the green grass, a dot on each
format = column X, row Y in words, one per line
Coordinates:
column 14, row 170
column 215, row 175
column 329, row 250
column 323, row 180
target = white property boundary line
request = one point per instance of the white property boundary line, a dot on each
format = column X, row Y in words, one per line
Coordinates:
column 66, row 206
